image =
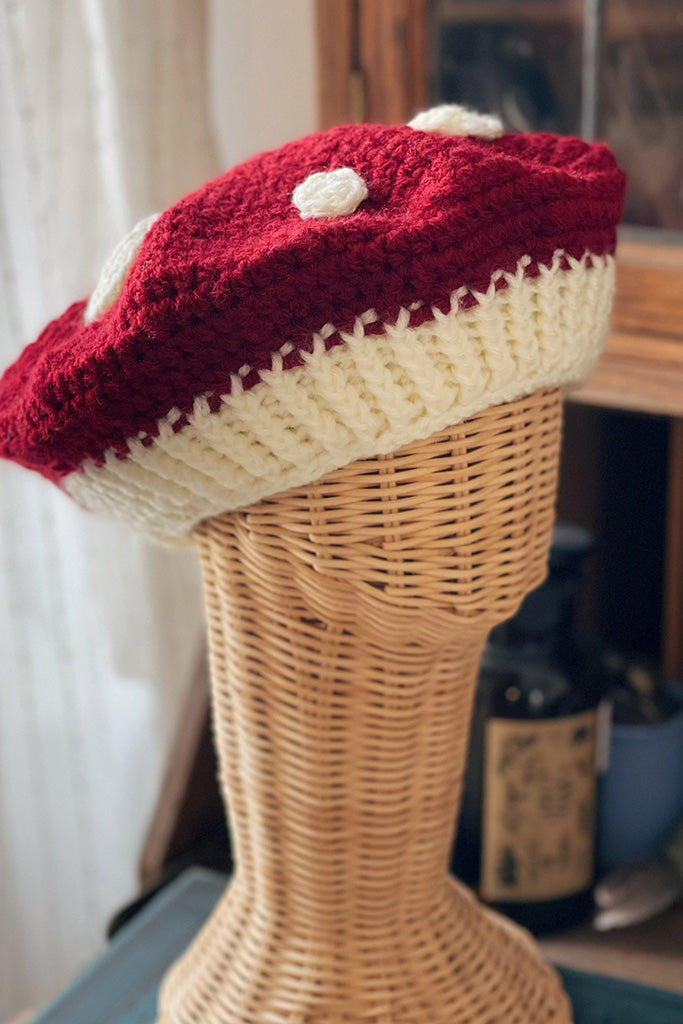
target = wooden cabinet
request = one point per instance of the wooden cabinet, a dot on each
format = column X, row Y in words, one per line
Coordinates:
column 606, row 67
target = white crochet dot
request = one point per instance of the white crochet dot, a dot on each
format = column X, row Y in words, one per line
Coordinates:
column 330, row 193
column 114, row 271
column 452, row 119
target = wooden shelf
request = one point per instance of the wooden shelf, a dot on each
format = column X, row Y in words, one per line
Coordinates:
column 642, row 367
column 649, row 296
column 650, row 953
column 637, row 373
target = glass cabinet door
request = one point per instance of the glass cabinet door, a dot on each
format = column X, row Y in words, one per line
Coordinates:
column 519, row 60
column 641, row 107
column 611, row 69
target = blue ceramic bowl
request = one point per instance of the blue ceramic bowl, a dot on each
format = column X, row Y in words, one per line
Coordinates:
column 640, row 796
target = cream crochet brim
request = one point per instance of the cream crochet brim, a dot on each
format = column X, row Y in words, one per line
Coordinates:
column 360, row 398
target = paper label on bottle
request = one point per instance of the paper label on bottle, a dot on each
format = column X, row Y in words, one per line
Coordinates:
column 538, row 822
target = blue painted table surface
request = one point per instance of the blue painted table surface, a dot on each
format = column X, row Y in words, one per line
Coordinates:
column 120, row 986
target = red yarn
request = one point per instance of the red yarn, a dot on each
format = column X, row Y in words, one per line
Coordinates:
column 231, row 272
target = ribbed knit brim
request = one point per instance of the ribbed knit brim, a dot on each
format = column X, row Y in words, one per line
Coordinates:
column 330, row 301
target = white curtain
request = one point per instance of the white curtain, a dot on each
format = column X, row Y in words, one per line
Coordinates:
column 109, row 110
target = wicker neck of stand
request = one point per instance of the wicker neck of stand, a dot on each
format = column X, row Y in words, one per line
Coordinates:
column 346, row 622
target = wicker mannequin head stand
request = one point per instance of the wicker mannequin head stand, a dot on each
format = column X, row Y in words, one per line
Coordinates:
column 337, row 368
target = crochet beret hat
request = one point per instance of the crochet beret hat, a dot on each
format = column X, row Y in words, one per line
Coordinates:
column 331, row 300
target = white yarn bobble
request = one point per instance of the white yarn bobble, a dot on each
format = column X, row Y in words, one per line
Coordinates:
column 115, row 269
column 452, row 119
column 330, row 193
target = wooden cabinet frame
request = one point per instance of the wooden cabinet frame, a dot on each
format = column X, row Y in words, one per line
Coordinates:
column 372, row 63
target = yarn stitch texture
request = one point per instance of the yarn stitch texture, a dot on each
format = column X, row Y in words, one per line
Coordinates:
column 232, row 285
column 356, row 400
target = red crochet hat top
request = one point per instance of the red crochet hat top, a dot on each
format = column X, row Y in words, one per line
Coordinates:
column 233, row 271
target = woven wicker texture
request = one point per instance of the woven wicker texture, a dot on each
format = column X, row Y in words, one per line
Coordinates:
column 346, row 621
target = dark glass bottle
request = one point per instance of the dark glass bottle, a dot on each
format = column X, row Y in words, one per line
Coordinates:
column 526, row 834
